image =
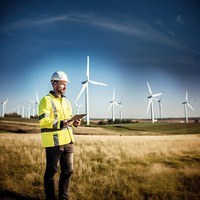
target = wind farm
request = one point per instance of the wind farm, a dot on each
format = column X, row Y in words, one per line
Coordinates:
column 30, row 109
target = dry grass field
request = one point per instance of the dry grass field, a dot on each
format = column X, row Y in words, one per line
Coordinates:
column 107, row 167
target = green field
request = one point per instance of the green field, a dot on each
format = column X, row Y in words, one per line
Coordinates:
column 146, row 128
column 142, row 128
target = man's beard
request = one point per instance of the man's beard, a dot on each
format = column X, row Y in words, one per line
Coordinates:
column 61, row 91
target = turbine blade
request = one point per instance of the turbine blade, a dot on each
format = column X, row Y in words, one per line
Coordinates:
column 37, row 98
column 82, row 89
column 156, row 95
column 156, row 99
column 149, row 104
column 109, row 106
column 113, row 97
column 190, row 106
column 117, row 104
column 5, row 102
column 186, row 96
column 88, row 70
column 149, row 88
column 97, row 83
column 31, row 101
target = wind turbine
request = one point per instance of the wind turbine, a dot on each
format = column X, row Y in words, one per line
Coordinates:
column 28, row 111
column 186, row 104
column 151, row 98
column 18, row 109
column 77, row 107
column 36, row 102
column 86, row 88
column 4, row 107
column 112, row 104
column 23, row 109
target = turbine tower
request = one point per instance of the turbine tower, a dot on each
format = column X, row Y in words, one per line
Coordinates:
column 86, row 88
column 151, row 98
column 120, row 112
column 23, row 109
column 112, row 104
column 4, row 107
column 186, row 104
column 160, row 106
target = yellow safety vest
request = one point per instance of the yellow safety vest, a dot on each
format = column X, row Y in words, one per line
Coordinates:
column 52, row 112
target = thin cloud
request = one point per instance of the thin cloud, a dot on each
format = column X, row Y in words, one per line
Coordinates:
column 159, row 21
column 179, row 19
column 138, row 29
column 172, row 33
column 132, row 27
column 50, row 20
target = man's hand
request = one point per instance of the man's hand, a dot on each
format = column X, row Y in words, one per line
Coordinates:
column 77, row 122
column 67, row 123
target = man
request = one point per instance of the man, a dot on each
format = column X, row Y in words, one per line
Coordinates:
column 57, row 136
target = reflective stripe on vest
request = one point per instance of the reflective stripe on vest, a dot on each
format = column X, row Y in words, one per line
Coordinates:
column 54, row 112
column 56, row 137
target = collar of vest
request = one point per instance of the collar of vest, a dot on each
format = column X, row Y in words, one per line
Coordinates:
column 52, row 92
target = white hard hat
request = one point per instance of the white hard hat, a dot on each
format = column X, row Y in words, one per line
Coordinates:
column 59, row 76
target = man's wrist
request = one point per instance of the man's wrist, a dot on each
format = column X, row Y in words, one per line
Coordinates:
column 61, row 124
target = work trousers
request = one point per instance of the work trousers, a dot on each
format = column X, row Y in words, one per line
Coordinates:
column 64, row 155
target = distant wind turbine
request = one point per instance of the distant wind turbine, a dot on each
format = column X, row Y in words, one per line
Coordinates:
column 27, row 111
column 36, row 102
column 86, row 88
column 18, row 109
column 77, row 107
column 4, row 107
column 186, row 104
column 112, row 104
column 23, row 109
column 151, row 98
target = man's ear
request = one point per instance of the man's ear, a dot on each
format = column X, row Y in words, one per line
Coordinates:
column 54, row 83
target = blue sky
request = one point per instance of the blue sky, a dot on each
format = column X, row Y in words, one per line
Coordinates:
column 129, row 43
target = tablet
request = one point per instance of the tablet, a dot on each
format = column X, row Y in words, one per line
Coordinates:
column 77, row 116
